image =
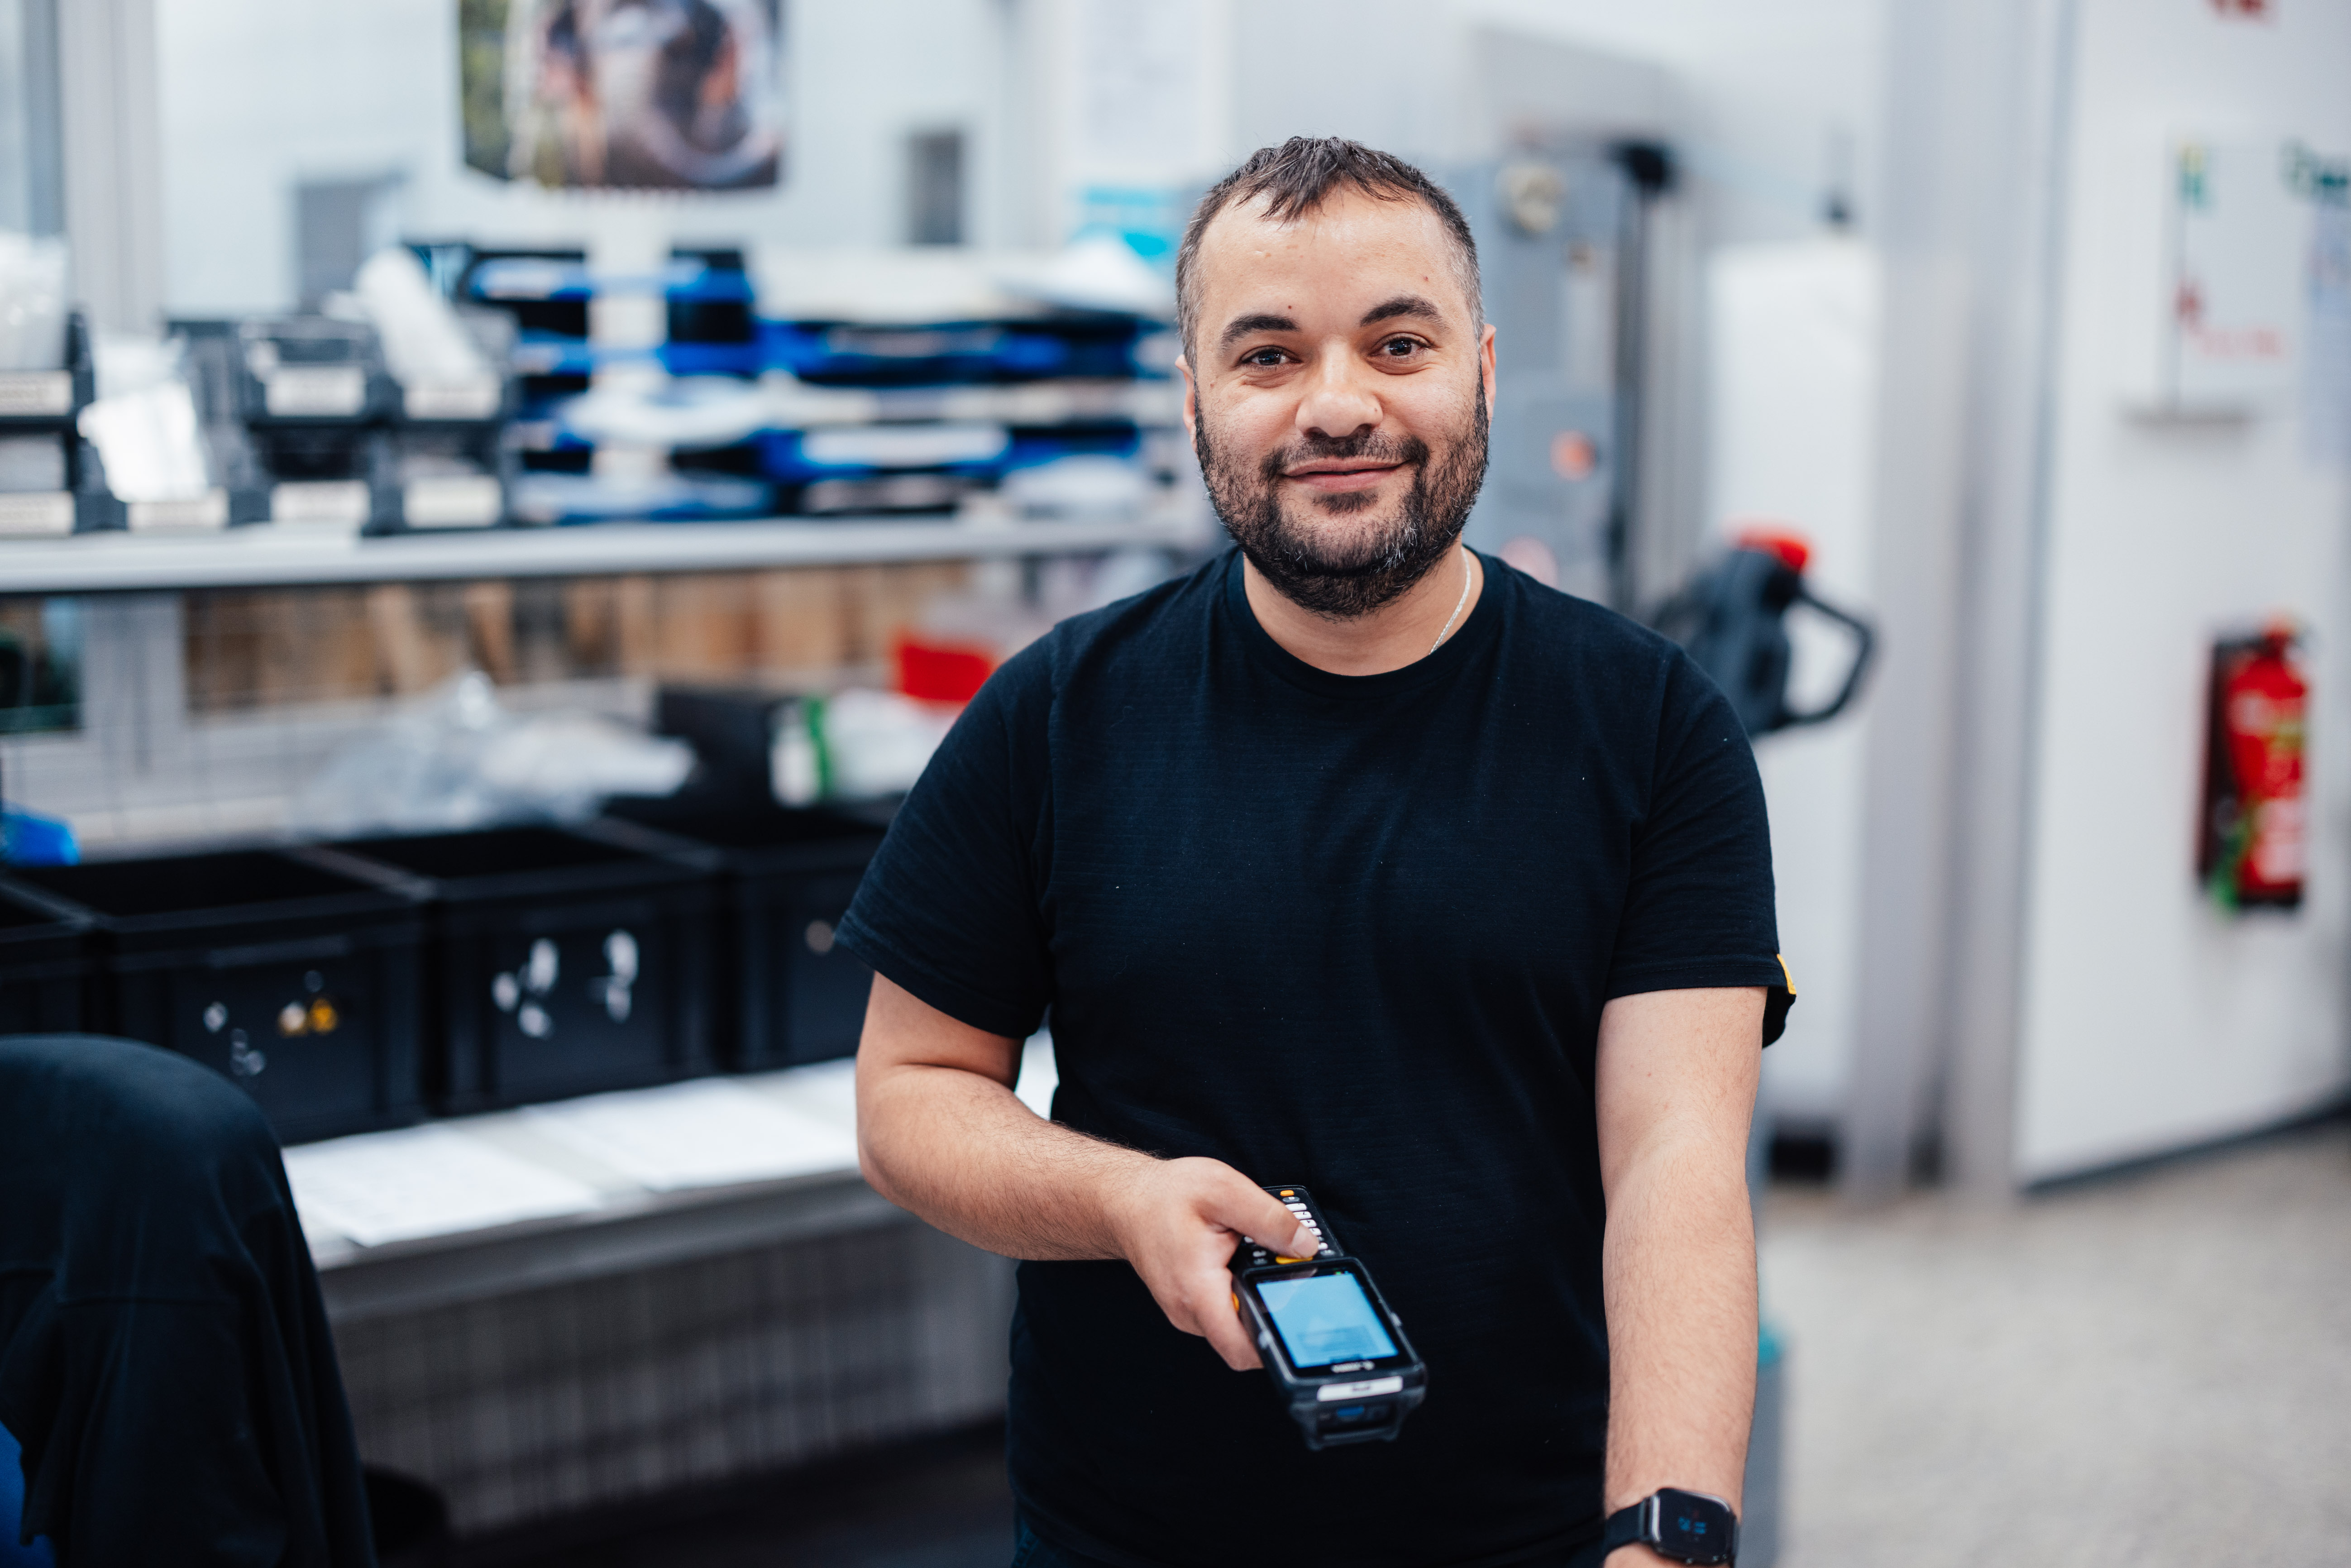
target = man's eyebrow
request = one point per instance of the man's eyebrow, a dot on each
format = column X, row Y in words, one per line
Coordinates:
column 1242, row 326
column 1402, row 305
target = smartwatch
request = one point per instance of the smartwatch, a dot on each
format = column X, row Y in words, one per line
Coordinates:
column 1683, row 1526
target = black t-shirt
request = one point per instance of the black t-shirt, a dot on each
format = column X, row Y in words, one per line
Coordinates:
column 1352, row 931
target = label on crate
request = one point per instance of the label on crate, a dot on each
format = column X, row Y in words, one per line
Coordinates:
column 39, row 514
column 454, row 501
column 454, row 400
column 320, row 503
column 204, row 512
column 905, row 445
column 524, row 277
column 36, row 394
column 315, row 392
column 539, row 358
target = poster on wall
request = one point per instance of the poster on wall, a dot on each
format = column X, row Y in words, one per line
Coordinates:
column 2240, row 233
column 2326, row 367
column 669, row 95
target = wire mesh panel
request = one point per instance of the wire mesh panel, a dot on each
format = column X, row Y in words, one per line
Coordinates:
column 543, row 1401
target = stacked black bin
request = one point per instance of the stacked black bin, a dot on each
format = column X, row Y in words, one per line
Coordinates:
column 46, row 406
column 567, row 962
column 793, row 996
column 44, row 964
column 295, row 980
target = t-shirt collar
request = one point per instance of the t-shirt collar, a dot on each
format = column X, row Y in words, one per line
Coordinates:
column 1476, row 629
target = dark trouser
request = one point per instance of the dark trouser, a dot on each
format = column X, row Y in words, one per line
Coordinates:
column 1031, row 1550
column 165, row 1358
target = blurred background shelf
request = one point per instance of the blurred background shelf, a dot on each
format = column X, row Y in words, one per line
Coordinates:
column 273, row 557
column 772, row 1302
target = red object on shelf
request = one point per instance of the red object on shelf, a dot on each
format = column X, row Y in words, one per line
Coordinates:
column 940, row 671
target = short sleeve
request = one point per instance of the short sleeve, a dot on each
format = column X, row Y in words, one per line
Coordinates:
column 1698, row 903
column 948, row 908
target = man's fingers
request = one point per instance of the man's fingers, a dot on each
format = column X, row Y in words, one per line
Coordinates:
column 1214, row 1312
column 1227, row 1331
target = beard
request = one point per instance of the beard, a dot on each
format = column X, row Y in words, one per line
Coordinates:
column 1344, row 574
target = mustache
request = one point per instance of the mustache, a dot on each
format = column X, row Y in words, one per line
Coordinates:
column 1364, row 445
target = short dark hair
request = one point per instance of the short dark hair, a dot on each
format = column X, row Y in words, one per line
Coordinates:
column 1298, row 176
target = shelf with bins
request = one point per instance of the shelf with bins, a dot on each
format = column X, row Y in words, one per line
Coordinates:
column 270, row 557
column 50, row 480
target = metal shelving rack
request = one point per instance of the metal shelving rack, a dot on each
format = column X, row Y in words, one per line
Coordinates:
column 281, row 557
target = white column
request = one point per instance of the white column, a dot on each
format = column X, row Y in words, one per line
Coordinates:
column 1975, row 133
column 112, row 157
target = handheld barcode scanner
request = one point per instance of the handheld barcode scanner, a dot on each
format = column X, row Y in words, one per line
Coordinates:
column 1336, row 1352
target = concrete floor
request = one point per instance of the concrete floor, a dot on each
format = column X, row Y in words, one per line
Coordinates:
column 2152, row 1369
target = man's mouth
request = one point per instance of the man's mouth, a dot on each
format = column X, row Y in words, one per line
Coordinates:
column 1336, row 478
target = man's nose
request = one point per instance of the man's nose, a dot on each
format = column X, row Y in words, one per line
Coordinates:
column 1338, row 403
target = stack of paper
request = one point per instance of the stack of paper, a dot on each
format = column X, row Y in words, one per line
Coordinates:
column 706, row 1132
column 825, row 1090
column 424, row 1181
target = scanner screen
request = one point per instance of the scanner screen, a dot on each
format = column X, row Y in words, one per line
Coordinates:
column 1325, row 1318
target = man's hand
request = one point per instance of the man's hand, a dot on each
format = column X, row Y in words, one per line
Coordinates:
column 1178, row 1222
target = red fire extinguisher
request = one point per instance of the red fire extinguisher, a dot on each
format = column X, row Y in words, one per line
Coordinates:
column 2256, row 815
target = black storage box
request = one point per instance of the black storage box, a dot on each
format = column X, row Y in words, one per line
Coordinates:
column 45, row 964
column 311, row 369
column 296, row 981
column 794, row 996
column 566, row 962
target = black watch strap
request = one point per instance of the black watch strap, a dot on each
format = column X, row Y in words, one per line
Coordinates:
column 1628, row 1526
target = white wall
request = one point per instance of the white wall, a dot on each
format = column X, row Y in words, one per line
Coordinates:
column 16, row 146
column 1793, row 384
column 258, row 94
column 1767, row 88
column 2149, row 1021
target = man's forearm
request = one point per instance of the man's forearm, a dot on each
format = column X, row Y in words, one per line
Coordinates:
column 962, row 1151
column 1679, row 1275
column 940, row 1132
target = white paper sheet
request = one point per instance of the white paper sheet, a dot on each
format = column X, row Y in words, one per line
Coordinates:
column 706, row 1132
column 1039, row 1074
column 828, row 1089
column 2326, row 367
column 424, row 1181
column 825, row 1090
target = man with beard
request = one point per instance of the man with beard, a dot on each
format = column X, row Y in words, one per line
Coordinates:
column 1355, row 860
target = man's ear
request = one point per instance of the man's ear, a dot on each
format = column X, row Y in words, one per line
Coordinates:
column 1486, row 368
column 1191, row 396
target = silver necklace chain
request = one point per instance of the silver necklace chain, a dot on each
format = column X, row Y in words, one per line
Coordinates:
column 1447, row 630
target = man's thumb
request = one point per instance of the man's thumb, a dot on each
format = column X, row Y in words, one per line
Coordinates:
column 1281, row 1231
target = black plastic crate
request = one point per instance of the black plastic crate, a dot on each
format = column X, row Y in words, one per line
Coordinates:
column 37, row 403
column 793, row 996
column 51, row 399
column 296, row 981
column 45, row 965
column 566, row 962
column 310, row 370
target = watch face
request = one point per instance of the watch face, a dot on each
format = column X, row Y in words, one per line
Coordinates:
column 1693, row 1528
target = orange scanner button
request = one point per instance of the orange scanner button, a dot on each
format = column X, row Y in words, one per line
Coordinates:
column 1278, row 1259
